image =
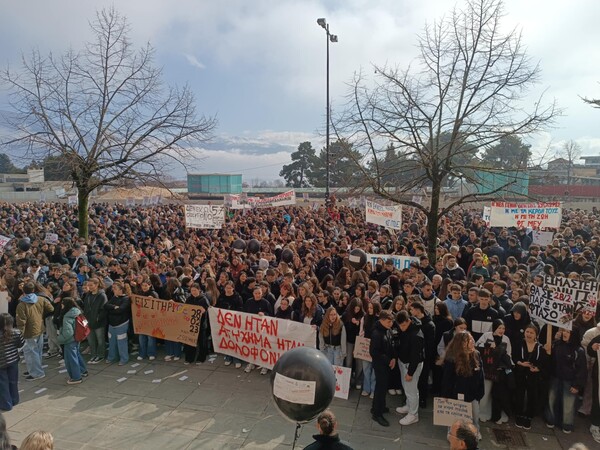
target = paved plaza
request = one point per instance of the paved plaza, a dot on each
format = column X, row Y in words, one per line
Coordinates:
column 211, row 406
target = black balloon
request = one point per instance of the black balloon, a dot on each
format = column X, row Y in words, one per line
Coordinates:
column 24, row 244
column 305, row 364
column 287, row 255
column 357, row 258
column 239, row 245
column 253, row 246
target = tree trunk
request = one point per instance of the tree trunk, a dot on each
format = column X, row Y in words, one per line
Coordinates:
column 83, row 197
column 433, row 216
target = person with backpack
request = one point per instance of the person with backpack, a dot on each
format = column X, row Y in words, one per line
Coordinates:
column 74, row 362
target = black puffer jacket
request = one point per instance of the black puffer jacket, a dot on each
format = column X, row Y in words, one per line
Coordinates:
column 569, row 362
column 381, row 348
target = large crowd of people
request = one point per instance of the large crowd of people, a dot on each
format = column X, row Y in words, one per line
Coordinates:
column 457, row 326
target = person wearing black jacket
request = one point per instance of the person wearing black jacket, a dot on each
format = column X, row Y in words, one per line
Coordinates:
column 261, row 306
column 417, row 310
column 569, row 369
column 410, row 349
column 198, row 352
column 383, row 358
column 327, row 439
column 119, row 313
column 232, row 301
column 94, row 300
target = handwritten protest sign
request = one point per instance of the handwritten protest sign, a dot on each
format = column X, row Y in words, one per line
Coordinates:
column 51, row 238
column 166, row 319
column 257, row 339
column 342, row 381
column 294, row 391
column 523, row 215
column 542, row 237
column 3, row 241
column 400, row 261
column 446, row 411
column 204, row 216
column 361, row 348
column 72, row 200
column 487, row 212
column 558, row 300
column 386, row 216
column 239, row 202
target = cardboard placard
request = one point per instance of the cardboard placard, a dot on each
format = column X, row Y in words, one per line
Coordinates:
column 361, row 348
column 165, row 319
column 342, row 381
column 204, row 216
column 386, row 216
column 446, row 411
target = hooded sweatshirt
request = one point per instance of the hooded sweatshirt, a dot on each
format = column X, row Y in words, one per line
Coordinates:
column 456, row 308
column 515, row 329
column 30, row 315
column 67, row 331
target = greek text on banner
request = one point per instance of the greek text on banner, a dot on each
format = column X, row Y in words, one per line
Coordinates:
column 523, row 215
column 204, row 216
column 165, row 319
column 259, row 340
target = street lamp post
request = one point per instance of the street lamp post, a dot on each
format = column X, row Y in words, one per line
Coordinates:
column 333, row 38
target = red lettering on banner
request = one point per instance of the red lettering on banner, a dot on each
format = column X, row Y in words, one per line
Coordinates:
column 287, row 344
column 260, row 324
column 225, row 317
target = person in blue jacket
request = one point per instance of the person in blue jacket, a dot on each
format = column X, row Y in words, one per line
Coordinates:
column 74, row 362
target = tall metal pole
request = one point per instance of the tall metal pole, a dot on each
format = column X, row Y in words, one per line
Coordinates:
column 327, row 129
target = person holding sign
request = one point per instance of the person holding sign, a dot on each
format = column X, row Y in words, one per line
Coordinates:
column 381, row 350
column 569, row 369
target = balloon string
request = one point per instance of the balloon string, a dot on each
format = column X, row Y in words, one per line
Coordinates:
column 296, row 435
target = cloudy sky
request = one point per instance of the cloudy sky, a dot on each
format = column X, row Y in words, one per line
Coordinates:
column 259, row 65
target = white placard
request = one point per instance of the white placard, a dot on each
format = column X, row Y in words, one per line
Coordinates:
column 487, row 212
column 524, row 215
column 342, row 381
column 446, row 411
column 294, row 391
column 51, row 238
column 400, row 261
column 242, row 201
column 204, row 216
column 386, row 216
column 543, row 238
column 130, row 201
column 3, row 241
column 3, row 302
column 72, row 200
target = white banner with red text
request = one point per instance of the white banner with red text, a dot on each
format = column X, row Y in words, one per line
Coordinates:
column 234, row 201
column 523, row 215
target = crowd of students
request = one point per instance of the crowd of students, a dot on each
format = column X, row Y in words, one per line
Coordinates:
column 457, row 326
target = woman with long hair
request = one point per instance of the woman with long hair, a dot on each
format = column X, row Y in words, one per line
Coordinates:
column 367, row 324
column 174, row 293
column 311, row 313
column 11, row 340
column 118, row 309
column 351, row 318
column 332, row 337
column 74, row 362
column 463, row 373
column 212, row 291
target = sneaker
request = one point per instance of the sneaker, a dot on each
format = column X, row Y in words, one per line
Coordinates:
column 409, row 419
column 372, row 395
column 402, row 409
column 69, row 381
column 185, row 363
column 123, row 363
column 238, row 365
column 399, row 392
column 168, row 358
column 549, row 425
column 392, row 391
column 151, row 358
column 85, row 374
column 358, row 387
column 595, row 430
column 139, row 358
column 364, row 394
column 86, row 351
column 32, row 378
column 107, row 361
column 94, row 360
column 228, row 363
column 25, row 374
column 264, row 371
column 479, row 437
column 61, row 362
column 176, row 358
column 527, row 424
column 249, row 368
column 566, row 431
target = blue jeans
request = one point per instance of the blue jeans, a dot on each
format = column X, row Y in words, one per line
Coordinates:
column 411, row 388
column 117, row 343
column 173, row 348
column 560, row 398
column 34, row 347
column 73, row 361
column 368, row 377
column 232, row 359
column 333, row 354
column 9, row 387
column 147, row 345
column 97, row 343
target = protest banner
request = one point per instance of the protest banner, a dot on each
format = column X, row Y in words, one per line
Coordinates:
column 72, row 200
column 417, row 199
column 446, row 411
column 51, row 238
column 204, row 216
column 558, row 300
column 259, row 340
column 166, row 319
column 386, row 216
column 291, row 390
column 3, row 241
column 487, row 211
column 145, row 201
column 400, row 261
column 155, row 199
column 361, row 348
column 523, row 215
column 283, row 199
column 542, row 238
column 305, row 197
column 342, row 381
column 130, row 201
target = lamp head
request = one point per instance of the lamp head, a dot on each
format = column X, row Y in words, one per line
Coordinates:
column 333, row 37
column 321, row 21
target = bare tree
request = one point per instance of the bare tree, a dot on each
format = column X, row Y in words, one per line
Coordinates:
column 105, row 111
column 466, row 93
column 571, row 151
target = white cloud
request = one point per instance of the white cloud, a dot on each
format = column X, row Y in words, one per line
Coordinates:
column 194, row 61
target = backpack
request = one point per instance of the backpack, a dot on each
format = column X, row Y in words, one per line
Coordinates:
column 82, row 329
